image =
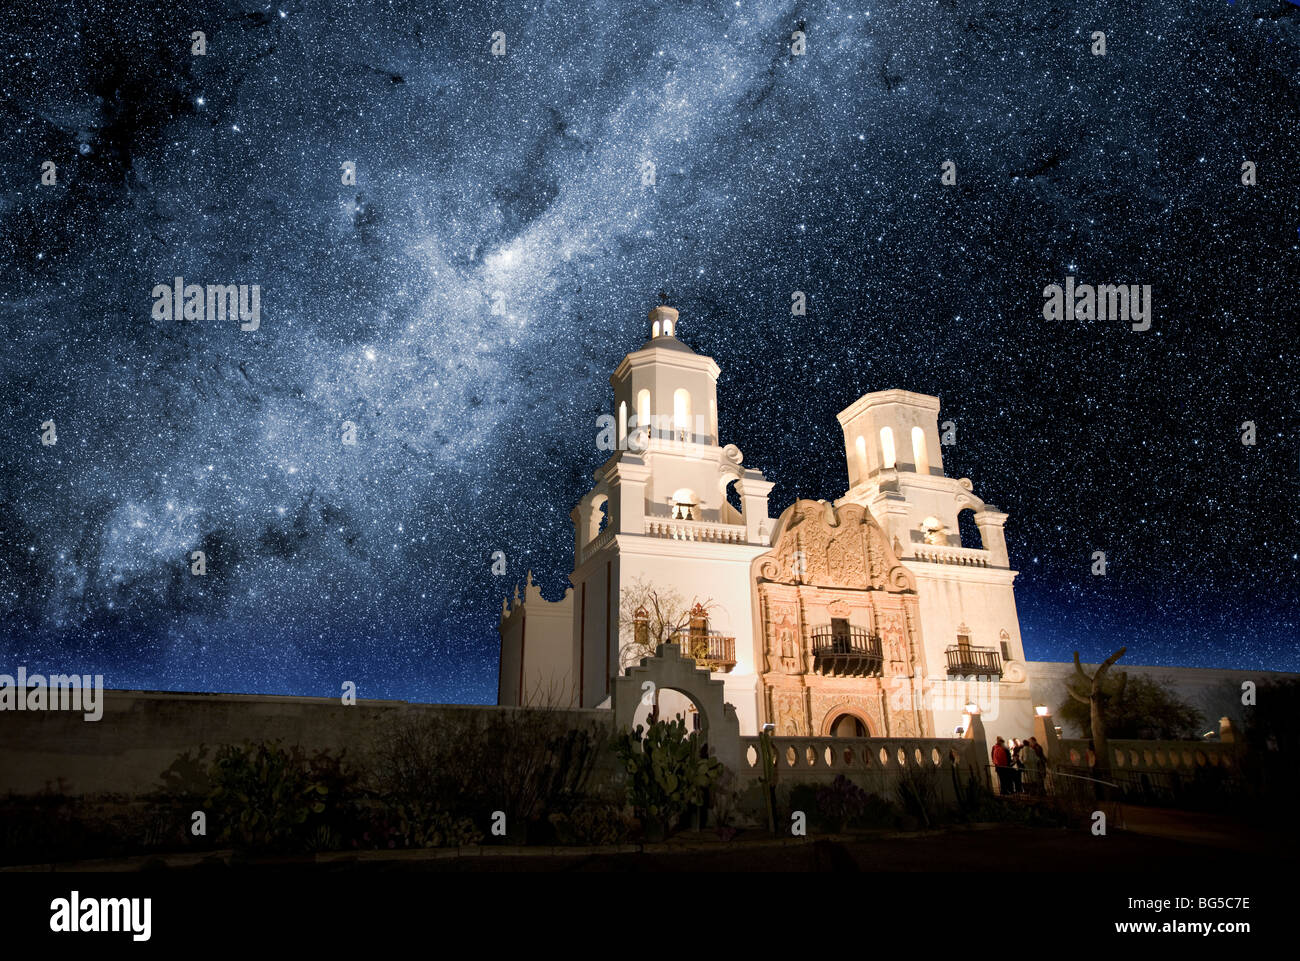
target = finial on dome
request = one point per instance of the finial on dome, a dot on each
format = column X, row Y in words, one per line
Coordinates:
column 663, row 321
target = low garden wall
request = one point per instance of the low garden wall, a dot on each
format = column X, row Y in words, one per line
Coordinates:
column 142, row 732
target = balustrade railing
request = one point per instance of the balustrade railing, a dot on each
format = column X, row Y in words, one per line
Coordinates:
column 798, row 756
column 715, row 651
column 940, row 554
column 684, row 530
column 966, row 661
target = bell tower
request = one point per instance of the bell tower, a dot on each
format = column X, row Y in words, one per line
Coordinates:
column 967, row 605
column 671, row 510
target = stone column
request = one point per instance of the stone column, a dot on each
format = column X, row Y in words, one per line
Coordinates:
column 990, row 522
column 753, row 501
column 975, row 732
column 626, row 480
column 1045, row 731
column 892, row 512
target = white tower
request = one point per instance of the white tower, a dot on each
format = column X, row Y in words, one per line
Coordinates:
column 659, row 516
column 968, row 609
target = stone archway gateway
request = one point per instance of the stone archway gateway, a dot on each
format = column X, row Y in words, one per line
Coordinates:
column 670, row 671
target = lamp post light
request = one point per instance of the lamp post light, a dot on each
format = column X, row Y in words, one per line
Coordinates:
column 1047, row 733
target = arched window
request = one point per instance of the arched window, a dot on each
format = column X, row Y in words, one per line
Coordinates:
column 668, row 328
column 686, row 505
column 887, row 447
column 598, row 516
column 682, row 413
column 920, row 456
column 732, row 507
column 968, row 530
column 643, row 411
column 622, row 425
column 655, row 329
column 862, row 456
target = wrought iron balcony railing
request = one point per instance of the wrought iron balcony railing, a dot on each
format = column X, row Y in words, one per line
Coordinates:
column 973, row 661
column 855, row 652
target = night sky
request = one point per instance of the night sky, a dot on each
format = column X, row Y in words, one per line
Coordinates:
column 522, row 174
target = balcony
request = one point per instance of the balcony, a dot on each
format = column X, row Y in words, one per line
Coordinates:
column 710, row 650
column 967, row 661
column 846, row 653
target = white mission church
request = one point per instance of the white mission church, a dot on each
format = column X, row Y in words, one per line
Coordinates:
column 865, row 617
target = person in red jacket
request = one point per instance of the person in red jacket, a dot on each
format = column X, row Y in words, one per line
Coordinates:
column 1002, row 764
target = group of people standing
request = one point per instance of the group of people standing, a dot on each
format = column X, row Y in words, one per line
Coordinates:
column 1020, row 766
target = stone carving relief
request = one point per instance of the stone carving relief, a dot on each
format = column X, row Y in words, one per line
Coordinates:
column 826, row 547
column 902, row 724
column 894, row 643
column 789, row 715
column 783, row 646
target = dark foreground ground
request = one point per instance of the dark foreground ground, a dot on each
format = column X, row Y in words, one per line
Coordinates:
column 1003, row 849
column 1150, row 840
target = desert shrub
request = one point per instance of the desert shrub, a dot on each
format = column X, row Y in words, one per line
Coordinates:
column 918, row 793
column 840, row 805
column 841, row 802
column 43, row 828
column 972, row 793
column 188, row 778
column 666, row 774
column 725, row 805
column 265, row 795
column 526, row 763
column 592, row 821
column 413, row 824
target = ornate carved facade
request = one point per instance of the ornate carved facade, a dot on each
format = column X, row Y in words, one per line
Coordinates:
column 837, row 614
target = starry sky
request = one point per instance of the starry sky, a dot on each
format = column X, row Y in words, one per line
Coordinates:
column 465, row 301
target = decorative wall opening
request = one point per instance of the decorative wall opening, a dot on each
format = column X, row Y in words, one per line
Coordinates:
column 685, row 505
column 597, row 516
column 887, row 452
column 669, row 704
column 969, row 530
column 643, row 409
column 920, row 456
column 731, row 496
column 682, row 413
column 846, row 725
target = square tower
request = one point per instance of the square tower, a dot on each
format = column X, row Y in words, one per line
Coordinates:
column 894, row 451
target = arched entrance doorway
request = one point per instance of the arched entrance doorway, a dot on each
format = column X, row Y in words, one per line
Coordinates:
column 845, row 721
column 846, row 725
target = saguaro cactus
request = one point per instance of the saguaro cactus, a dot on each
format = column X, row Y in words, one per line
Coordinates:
column 1097, row 697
